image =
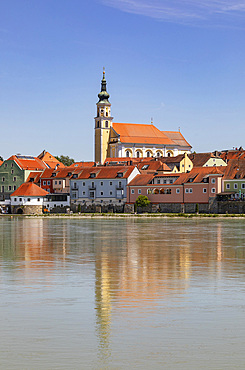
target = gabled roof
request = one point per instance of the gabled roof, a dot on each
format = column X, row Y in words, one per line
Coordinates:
column 199, row 159
column 82, row 164
column 28, row 162
column 232, row 154
column 177, row 138
column 50, row 160
column 153, row 166
column 197, row 174
column 141, row 180
column 106, row 172
column 29, row 189
column 141, row 134
column 34, row 177
column 235, row 169
column 175, row 160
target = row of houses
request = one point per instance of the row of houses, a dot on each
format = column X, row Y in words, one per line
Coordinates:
column 36, row 184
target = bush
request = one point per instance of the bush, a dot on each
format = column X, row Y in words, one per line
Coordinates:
column 142, row 201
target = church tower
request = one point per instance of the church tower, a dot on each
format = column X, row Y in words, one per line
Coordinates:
column 103, row 123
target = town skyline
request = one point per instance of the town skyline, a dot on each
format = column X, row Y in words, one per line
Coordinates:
column 183, row 68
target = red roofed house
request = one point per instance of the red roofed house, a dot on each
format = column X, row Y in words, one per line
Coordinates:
column 101, row 185
column 200, row 185
column 28, row 199
column 132, row 140
column 16, row 170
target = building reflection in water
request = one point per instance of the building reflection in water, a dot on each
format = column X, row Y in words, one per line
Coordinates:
column 139, row 265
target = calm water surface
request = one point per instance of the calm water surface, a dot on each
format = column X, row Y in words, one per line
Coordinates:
column 122, row 293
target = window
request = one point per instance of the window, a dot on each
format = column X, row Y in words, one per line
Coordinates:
column 120, row 174
column 101, row 193
column 12, row 171
column 28, row 199
column 56, row 182
column 165, row 181
column 213, row 190
column 137, row 154
column 15, row 199
column 127, row 153
column 59, row 182
column 106, row 124
column 149, row 191
column 54, row 205
column 177, row 191
column 186, row 190
column 110, row 192
column 204, row 190
column 92, row 185
column 5, row 165
column 158, row 154
column 235, row 186
column 10, row 187
column 75, row 185
column 132, row 191
column 98, row 124
column 47, row 205
column 92, row 175
column 2, row 189
column 20, row 199
column 101, row 201
column 38, row 199
column 14, row 187
column 44, row 182
column 227, row 186
column 158, row 181
column 101, row 183
column 213, row 181
column 148, row 154
column 83, row 192
column 3, row 179
column 171, row 181
column 190, row 190
column 139, row 191
column 83, row 183
column 120, row 184
column 110, row 183
column 48, row 182
column 119, row 201
column 243, row 186
column 12, row 165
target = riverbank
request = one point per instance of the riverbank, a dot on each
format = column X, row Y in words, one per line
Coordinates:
column 128, row 215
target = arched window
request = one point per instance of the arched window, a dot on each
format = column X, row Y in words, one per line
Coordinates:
column 106, row 124
column 137, row 154
column 156, row 191
column 127, row 153
column 148, row 154
column 169, row 154
column 158, row 154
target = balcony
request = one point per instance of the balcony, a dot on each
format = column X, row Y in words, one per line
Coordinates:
column 119, row 187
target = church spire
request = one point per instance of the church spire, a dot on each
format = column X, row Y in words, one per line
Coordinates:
column 103, row 95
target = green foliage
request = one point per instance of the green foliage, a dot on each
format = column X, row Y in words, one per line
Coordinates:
column 65, row 159
column 142, row 201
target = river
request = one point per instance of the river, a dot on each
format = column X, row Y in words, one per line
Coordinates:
column 164, row 293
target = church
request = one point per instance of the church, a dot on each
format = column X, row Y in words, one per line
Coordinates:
column 120, row 140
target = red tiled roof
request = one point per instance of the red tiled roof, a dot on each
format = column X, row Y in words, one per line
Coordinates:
column 106, row 172
column 29, row 189
column 235, row 169
column 199, row 159
column 177, row 138
column 82, row 164
column 232, row 154
column 1, row 162
column 141, row 134
column 28, row 162
column 50, row 160
column 34, row 175
column 198, row 173
column 141, row 180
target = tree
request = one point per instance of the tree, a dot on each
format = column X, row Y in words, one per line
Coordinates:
column 142, row 201
column 65, row 159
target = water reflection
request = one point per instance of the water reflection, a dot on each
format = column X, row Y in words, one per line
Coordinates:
column 137, row 268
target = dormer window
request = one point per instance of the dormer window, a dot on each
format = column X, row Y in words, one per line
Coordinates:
column 119, row 174
column 69, row 173
column 92, row 175
column 75, row 176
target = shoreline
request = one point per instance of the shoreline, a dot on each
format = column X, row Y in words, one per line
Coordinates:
column 127, row 215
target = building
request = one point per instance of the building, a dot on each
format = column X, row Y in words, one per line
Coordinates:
column 131, row 140
column 15, row 170
column 104, row 185
column 28, row 199
column 206, row 160
column 234, row 180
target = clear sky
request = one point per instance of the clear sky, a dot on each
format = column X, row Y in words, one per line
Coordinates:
column 180, row 62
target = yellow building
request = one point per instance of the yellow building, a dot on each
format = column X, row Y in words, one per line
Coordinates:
column 120, row 140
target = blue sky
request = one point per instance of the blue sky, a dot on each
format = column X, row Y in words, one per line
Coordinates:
column 180, row 62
